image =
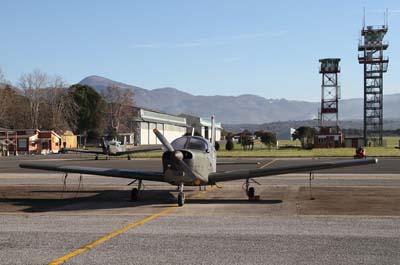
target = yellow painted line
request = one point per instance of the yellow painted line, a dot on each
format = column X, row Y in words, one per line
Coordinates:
column 269, row 163
column 119, row 231
column 109, row 236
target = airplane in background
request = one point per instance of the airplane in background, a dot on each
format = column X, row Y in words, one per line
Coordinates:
column 115, row 148
column 191, row 161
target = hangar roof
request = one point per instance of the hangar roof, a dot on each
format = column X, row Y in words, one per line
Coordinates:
column 152, row 116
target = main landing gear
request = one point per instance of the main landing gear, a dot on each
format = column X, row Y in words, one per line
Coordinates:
column 181, row 195
column 250, row 191
column 135, row 193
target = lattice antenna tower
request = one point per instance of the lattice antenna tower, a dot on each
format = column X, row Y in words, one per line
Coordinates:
column 370, row 48
column 330, row 93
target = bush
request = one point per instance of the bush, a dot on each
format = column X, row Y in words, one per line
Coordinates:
column 268, row 138
column 217, row 146
column 229, row 145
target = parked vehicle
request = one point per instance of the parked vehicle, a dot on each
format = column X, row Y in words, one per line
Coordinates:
column 360, row 153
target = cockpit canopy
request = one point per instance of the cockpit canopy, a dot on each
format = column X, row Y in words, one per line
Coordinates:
column 114, row 143
column 191, row 142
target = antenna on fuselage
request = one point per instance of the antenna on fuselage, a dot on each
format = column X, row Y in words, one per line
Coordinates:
column 213, row 130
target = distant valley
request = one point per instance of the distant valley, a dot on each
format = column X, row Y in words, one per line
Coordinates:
column 243, row 109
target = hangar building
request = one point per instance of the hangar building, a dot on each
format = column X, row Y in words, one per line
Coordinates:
column 202, row 126
column 170, row 126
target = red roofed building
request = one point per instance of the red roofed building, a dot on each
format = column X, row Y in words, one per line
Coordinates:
column 31, row 141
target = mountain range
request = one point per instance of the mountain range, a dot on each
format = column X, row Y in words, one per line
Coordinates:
column 243, row 109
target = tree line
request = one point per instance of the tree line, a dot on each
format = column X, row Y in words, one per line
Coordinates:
column 41, row 101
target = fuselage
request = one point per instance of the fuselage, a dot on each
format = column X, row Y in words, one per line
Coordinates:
column 113, row 147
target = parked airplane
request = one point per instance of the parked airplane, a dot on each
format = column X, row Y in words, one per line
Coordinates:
column 115, row 148
column 191, row 161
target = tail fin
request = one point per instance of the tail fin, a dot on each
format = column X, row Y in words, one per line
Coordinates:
column 104, row 145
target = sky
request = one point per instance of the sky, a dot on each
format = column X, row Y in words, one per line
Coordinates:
column 208, row 47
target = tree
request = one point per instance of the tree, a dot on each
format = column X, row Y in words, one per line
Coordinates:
column 54, row 105
column 306, row 135
column 2, row 80
column 32, row 85
column 91, row 111
column 120, row 104
column 14, row 108
column 246, row 140
column 229, row 143
column 268, row 138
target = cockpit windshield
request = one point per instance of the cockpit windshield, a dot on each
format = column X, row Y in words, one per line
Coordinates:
column 191, row 142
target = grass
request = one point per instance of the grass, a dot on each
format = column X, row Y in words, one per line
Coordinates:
column 391, row 141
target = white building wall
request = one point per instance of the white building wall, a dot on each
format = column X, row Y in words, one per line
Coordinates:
column 152, row 136
column 144, row 133
column 218, row 135
column 171, row 132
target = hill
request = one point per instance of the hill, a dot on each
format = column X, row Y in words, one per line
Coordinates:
column 243, row 109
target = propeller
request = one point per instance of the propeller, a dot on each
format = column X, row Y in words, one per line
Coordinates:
column 163, row 140
column 178, row 155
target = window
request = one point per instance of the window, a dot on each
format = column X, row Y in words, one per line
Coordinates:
column 22, row 143
column 191, row 142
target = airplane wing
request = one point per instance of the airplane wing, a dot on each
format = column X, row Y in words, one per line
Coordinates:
column 264, row 172
column 98, row 152
column 139, row 149
column 237, row 163
column 108, row 172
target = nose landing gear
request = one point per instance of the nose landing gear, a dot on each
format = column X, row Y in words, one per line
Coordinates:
column 181, row 195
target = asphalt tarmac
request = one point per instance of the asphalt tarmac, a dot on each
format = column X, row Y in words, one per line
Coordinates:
column 348, row 216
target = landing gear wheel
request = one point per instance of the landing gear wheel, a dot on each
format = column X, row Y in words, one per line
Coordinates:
column 96, row 158
column 181, row 199
column 134, row 195
column 129, row 157
column 251, row 193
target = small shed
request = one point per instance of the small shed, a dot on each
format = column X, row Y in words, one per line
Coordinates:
column 69, row 140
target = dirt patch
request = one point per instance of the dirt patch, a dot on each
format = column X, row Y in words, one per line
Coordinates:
column 372, row 201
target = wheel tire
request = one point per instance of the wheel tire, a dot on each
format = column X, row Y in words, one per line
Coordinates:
column 251, row 193
column 129, row 157
column 181, row 199
column 134, row 195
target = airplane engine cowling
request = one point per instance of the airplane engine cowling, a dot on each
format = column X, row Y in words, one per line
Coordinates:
column 170, row 159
